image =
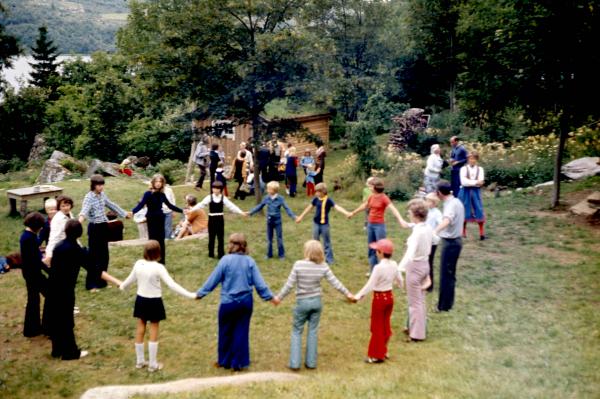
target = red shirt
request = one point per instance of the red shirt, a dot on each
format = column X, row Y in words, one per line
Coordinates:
column 376, row 205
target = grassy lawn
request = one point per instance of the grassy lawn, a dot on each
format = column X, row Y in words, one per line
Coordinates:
column 525, row 324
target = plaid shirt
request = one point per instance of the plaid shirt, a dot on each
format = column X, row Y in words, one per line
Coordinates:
column 93, row 207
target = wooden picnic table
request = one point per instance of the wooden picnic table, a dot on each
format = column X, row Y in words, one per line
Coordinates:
column 25, row 194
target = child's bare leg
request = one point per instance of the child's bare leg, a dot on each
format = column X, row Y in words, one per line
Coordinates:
column 426, row 283
column 153, row 347
column 153, row 331
column 140, row 331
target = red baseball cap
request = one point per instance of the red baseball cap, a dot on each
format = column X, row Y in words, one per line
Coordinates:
column 384, row 245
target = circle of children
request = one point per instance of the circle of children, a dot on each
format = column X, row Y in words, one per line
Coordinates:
column 237, row 272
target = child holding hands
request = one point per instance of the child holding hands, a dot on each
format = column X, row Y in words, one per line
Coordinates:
column 306, row 275
column 149, row 306
column 381, row 281
column 322, row 204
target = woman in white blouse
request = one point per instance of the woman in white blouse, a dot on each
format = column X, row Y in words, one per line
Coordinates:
column 435, row 163
column 57, row 225
column 416, row 264
column 472, row 178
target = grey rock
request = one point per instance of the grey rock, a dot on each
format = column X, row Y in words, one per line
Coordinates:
column 102, row 168
column 37, row 149
column 582, row 168
column 52, row 172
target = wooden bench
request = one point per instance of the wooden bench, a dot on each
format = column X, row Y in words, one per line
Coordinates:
column 29, row 193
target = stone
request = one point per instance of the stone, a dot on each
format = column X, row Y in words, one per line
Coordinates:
column 594, row 199
column 37, row 149
column 582, row 168
column 52, row 172
column 59, row 156
column 102, row 168
column 548, row 183
column 584, row 208
column 142, row 162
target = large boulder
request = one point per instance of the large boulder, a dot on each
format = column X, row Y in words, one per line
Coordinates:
column 102, row 168
column 582, row 168
column 589, row 207
column 37, row 149
column 52, row 172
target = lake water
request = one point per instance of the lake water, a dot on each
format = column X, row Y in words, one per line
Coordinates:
column 18, row 76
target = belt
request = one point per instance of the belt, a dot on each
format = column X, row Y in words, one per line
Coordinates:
column 216, row 214
column 450, row 239
column 382, row 292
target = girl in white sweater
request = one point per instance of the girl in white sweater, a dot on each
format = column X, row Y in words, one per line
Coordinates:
column 148, row 304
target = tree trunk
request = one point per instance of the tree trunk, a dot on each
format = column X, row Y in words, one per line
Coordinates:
column 564, row 134
column 256, row 140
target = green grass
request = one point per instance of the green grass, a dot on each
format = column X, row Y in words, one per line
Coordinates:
column 525, row 324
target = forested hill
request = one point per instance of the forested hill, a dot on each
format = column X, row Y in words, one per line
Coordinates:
column 75, row 26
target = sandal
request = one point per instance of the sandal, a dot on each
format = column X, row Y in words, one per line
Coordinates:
column 372, row 360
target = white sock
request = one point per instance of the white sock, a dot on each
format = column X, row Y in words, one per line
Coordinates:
column 153, row 352
column 139, row 353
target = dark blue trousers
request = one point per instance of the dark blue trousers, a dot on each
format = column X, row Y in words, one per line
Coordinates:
column 449, row 258
column 274, row 224
column 234, row 328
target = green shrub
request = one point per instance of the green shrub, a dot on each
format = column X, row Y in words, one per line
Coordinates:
column 362, row 141
column 11, row 165
column 74, row 166
column 405, row 175
column 172, row 169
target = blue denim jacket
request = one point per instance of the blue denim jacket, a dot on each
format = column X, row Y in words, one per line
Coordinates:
column 273, row 207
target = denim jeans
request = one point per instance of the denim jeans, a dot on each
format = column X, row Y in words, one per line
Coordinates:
column 274, row 223
column 375, row 232
column 322, row 230
column 168, row 225
column 307, row 310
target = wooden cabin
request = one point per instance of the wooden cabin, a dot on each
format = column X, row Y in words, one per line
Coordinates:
column 317, row 124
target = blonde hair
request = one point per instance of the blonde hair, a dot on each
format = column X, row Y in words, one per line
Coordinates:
column 50, row 203
column 237, row 244
column 156, row 178
column 370, row 180
column 322, row 188
column 313, row 251
column 273, row 185
column 433, row 198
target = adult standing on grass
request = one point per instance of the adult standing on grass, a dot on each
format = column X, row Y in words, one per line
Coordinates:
column 153, row 200
column 416, row 264
column 471, row 179
column 201, row 158
column 239, row 173
column 320, row 163
column 450, row 231
column 306, row 275
column 215, row 158
column 291, row 174
column 67, row 259
column 237, row 273
column 35, row 281
column 432, row 171
column 92, row 209
column 458, row 158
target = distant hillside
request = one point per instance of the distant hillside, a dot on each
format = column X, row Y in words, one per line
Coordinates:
column 76, row 26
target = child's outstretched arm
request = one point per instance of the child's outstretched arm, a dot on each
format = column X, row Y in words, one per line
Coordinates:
column 107, row 277
column 399, row 217
column 288, row 210
column 362, row 207
column 341, row 210
column 306, row 210
column 164, row 276
column 258, row 207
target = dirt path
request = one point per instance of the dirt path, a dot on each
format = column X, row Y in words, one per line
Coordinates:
column 187, row 385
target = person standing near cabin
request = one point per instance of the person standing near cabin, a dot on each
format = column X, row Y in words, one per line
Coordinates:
column 239, row 172
column 154, row 199
column 215, row 158
column 291, row 175
column 471, row 179
column 458, row 159
column 249, row 157
column 92, row 209
column 320, row 164
column 201, row 158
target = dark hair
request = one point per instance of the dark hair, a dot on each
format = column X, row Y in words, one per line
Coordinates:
column 191, row 200
column 214, row 147
column 378, row 186
column 73, row 229
column 63, row 199
column 111, row 215
column 237, row 244
column 386, row 256
column 96, row 180
column 34, row 220
column 152, row 250
column 217, row 184
column 14, row 260
column 444, row 187
column 243, row 154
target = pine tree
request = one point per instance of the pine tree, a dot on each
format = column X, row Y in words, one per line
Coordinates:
column 44, row 72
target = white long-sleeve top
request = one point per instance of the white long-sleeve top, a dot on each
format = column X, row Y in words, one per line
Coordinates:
column 171, row 197
column 384, row 274
column 218, row 198
column 418, row 245
column 57, row 231
column 470, row 176
column 148, row 276
column 434, row 218
column 434, row 165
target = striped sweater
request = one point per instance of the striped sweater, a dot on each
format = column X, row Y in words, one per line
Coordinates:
column 307, row 276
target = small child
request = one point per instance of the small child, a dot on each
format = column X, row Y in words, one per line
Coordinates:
column 216, row 222
column 148, row 303
column 194, row 221
column 219, row 176
column 377, row 203
column 51, row 208
column 305, row 161
column 381, row 281
column 306, row 275
column 125, row 167
column 322, row 205
column 310, row 180
column 273, row 201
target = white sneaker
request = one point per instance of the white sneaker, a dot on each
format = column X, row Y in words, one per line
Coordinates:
column 141, row 365
column 83, row 354
column 75, row 310
column 156, row 367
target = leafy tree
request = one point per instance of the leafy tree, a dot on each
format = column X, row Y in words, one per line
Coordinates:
column 44, row 72
column 9, row 47
column 362, row 141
